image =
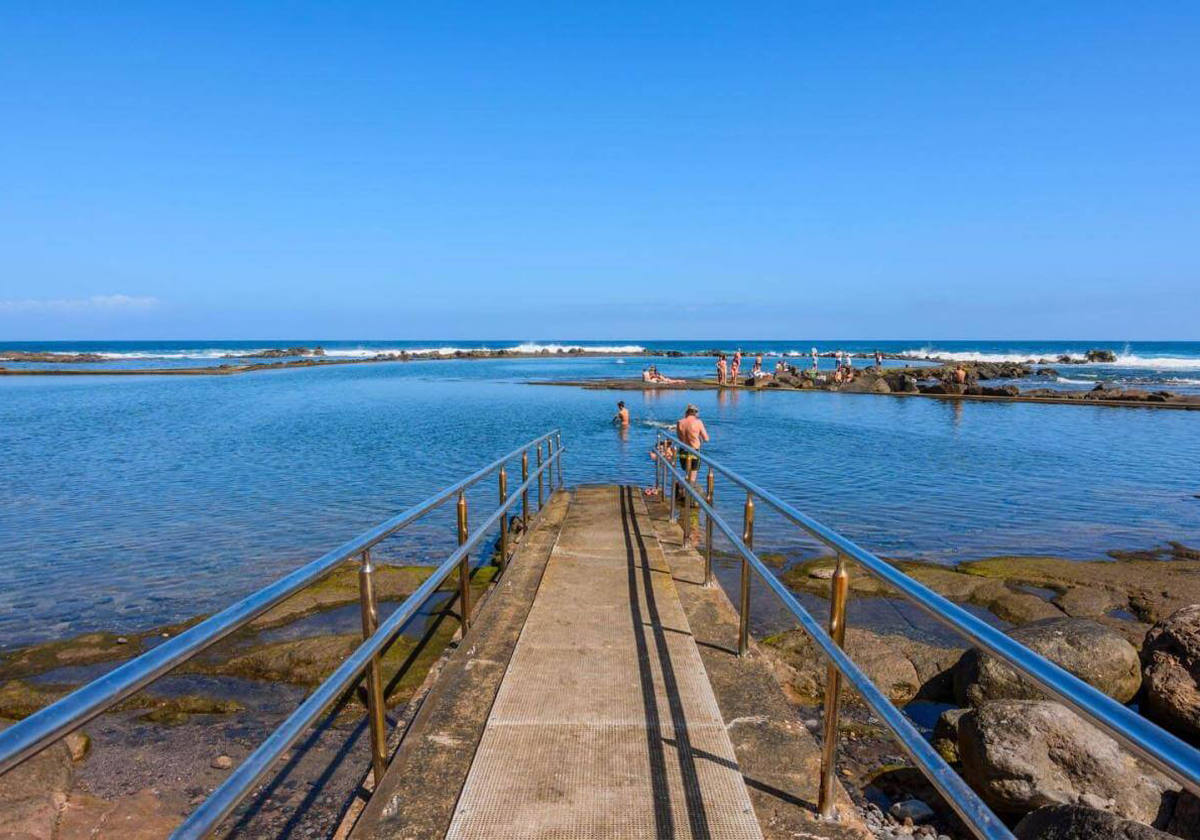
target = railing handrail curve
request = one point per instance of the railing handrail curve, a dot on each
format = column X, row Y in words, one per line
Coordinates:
column 238, row 784
column 966, row 803
column 1149, row 742
column 36, row 732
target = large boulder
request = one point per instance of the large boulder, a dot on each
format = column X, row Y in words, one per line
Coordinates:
column 1096, row 654
column 1171, row 666
column 1075, row 822
column 1021, row 755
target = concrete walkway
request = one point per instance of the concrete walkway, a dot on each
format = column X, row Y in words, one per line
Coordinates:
column 605, row 724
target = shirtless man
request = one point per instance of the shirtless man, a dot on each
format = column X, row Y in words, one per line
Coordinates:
column 622, row 417
column 690, row 429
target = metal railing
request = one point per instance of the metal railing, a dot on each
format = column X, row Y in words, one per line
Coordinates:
column 41, row 729
column 1157, row 747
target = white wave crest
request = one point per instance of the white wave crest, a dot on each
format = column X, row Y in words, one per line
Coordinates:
column 1157, row 362
column 974, row 355
column 1123, row 360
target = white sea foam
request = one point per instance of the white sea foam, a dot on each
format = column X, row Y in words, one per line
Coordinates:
column 973, row 355
column 1074, row 381
column 526, row 348
column 1124, row 359
column 529, row 347
column 1157, row 362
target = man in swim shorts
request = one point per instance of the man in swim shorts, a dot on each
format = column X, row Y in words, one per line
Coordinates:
column 690, row 429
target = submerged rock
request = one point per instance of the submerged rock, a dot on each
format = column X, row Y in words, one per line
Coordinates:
column 1171, row 661
column 1023, row 754
column 1097, row 655
column 1077, row 822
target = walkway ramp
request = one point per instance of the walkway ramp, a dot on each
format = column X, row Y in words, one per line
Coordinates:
column 605, row 725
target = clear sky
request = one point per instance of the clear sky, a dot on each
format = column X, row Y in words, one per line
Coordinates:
column 600, row 170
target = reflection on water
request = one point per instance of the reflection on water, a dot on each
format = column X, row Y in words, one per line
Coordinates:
column 128, row 503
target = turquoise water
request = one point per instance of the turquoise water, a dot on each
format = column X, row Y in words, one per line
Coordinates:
column 129, row 502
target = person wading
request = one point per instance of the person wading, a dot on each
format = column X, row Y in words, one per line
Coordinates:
column 621, row 418
column 690, row 429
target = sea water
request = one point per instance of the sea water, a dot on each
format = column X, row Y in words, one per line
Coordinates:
column 128, row 502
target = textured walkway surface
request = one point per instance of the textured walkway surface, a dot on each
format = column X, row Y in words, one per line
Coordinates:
column 605, row 725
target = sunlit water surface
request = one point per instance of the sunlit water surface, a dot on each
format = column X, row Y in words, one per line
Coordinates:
column 130, row 502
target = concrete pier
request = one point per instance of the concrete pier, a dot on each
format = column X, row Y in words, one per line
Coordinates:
column 580, row 705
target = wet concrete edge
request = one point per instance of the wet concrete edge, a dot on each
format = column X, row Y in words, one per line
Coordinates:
column 425, row 777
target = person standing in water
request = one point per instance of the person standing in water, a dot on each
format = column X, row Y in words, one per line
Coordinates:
column 814, row 358
column 690, row 429
column 622, row 416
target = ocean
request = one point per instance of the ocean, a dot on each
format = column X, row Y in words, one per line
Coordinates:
column 129, row 502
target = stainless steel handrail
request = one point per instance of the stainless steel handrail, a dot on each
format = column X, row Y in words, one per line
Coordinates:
column 44, row 727
column 1149, row 742
column 965, row 801
column 239, row 783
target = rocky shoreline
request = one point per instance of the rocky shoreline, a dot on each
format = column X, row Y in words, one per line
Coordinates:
column 148, row 761
column 1129, row 625
column 934, row 381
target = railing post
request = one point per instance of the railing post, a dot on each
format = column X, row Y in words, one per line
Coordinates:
column 503, row 517
column 374, row 675
column 687, row 511
column 748, row 539
column 464, row 566
column 839, row 586
column 550, row 460
column 525, row 492
column 708, row 530
column 540, row 475
column 669, row 478
column 558, row 449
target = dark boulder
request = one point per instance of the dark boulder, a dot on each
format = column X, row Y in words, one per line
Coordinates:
column 1100, row 356
column 1077, row 822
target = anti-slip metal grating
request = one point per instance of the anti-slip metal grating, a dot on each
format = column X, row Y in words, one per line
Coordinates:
column 605, row 725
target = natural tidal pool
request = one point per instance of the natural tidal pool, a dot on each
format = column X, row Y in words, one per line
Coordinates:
column 129, row 503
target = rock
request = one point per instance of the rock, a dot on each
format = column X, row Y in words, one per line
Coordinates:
column 221, row 762
column 1100, row 356
column 1021, row 607
column 33, row 793
column 903, row 668
column 1089, row 602
column 1171, row 665
column 145, row 815
column 78, row 744
column 911, row 809
column 1076, row 822
column 945, row 734
column 1023, row 754
column 1096, row 654
column 821, row 572
column 1185, row 817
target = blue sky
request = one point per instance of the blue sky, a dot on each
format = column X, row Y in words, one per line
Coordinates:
column 640, row 170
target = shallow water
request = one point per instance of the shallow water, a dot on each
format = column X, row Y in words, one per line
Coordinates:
column 128, row 503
